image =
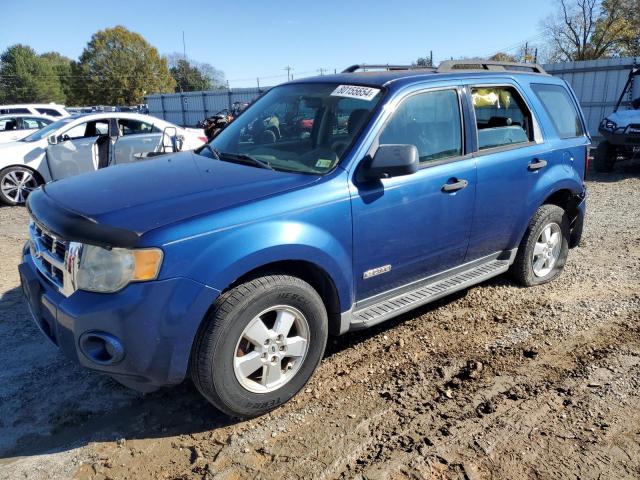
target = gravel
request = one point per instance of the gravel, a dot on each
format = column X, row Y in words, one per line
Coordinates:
column 494, row 382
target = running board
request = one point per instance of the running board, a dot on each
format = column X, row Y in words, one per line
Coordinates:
column 394, row 306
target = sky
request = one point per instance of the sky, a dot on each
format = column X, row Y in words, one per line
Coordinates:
column 252, row 39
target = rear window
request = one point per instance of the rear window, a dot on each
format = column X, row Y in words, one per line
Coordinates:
column 49, row 111
column 14, row 110
column 559, row 106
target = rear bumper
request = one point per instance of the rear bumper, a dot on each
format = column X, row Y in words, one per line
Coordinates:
column 155, row 323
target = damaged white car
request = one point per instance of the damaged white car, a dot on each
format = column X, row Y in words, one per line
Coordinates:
column 84, row 143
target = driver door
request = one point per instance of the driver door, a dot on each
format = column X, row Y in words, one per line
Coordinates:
column 75, row 152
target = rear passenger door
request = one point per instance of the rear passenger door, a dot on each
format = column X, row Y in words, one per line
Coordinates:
column 410, row 227
column 9, row 129
column 136, row 138
column 511, row 159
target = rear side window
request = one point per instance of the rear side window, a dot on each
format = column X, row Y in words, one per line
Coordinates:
column 431, row 121
column 558, row 104
column 134, row 127
column 29, row 123
column 49, row 111
column 14, row 110
column 502, row 117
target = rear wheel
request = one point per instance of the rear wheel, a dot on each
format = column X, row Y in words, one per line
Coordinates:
column 605, row 157
column 260, row 345
column 544, row 249
column 16, row 183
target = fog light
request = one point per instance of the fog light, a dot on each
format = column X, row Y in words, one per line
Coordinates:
column 101, row 348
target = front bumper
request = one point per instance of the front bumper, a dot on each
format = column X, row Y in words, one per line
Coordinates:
column 155, row 322
column 621, row 137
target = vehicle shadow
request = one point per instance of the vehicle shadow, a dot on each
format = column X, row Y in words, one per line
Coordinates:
column 622, row 170
column 61, row 406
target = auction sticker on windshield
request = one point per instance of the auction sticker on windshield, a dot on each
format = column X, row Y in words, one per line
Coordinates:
column 355, row 91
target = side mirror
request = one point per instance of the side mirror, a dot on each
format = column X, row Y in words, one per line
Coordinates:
column 392, row 161
column 52, row 139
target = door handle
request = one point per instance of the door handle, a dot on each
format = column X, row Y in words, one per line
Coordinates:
column 454, row 187
column 537, row 164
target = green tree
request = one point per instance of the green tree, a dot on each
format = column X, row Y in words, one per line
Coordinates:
column 25, row 77
column 191, row 75
column 424, row 61
column 119, row 67
column 62, row 66
column 188, row 78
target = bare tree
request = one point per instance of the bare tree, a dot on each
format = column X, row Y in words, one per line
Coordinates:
column 583, row 30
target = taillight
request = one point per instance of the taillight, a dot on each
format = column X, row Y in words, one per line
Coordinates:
column 586, row 162
column 203, row 139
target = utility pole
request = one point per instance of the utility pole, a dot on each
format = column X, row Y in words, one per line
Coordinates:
column 321, row 71
column 431, row 58
column 288, row 69
column 526, row 52
column 258, row 82
column 184, row 48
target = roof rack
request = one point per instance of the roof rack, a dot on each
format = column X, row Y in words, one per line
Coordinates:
column 388, row 67
column 489, row 65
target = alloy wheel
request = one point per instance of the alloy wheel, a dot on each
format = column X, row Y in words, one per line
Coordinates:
column 271, row 349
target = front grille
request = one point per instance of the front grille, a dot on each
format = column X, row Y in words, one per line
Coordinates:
column 48, row 253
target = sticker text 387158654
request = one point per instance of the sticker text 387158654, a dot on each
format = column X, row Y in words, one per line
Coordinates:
column 355, row 91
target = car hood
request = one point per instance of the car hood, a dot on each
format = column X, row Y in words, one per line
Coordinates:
column 623, row 118
column 150, row 194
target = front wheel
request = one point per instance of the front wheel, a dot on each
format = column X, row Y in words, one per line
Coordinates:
column 16, row 183
column 260, row 345
column 544, row 249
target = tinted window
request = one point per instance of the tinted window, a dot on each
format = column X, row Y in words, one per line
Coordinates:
column 502, row 117
column 49, row 111
column 134, row 127
column 8, row 124
column 431, row 122
column 559, row 106
column 14, row 110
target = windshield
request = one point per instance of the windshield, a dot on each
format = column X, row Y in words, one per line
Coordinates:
column 304, row 128
column 48, row 130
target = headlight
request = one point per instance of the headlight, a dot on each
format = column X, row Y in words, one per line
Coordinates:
column 107, row 271
column 608, row 124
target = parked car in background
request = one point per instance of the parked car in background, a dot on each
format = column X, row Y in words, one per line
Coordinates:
column 15, row 127
column 234, row 262
column 48, row 109
column 84, row 143
column 620, row 129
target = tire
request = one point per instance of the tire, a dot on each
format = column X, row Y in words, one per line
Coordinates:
column 223, row 342
column 605, row 157
column 16, row 183
column 531, row 267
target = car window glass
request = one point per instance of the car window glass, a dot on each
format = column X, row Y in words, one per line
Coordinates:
column 8, row 124
column 430, row 121
column 558, row 104
column 14, row 110
column 87, row 130
column 31, row 123
column 49, row 111
column 134, row 127
column 502, row 117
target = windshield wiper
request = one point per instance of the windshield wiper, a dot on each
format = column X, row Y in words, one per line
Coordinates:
column 244, row 157
column 216, row 153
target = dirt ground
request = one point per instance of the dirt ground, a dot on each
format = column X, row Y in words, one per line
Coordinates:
column 496, row 382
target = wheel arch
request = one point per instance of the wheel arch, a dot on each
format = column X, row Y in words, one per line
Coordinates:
column 313, row 274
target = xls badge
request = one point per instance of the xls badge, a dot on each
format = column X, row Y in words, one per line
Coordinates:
column 376, row 271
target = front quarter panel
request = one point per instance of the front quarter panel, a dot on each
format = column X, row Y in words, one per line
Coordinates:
column 312, row 224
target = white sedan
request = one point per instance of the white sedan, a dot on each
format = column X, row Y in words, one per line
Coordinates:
column 84, row 143
column 18, row 126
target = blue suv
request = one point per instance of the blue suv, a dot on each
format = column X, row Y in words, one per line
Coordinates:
column 331, row 204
